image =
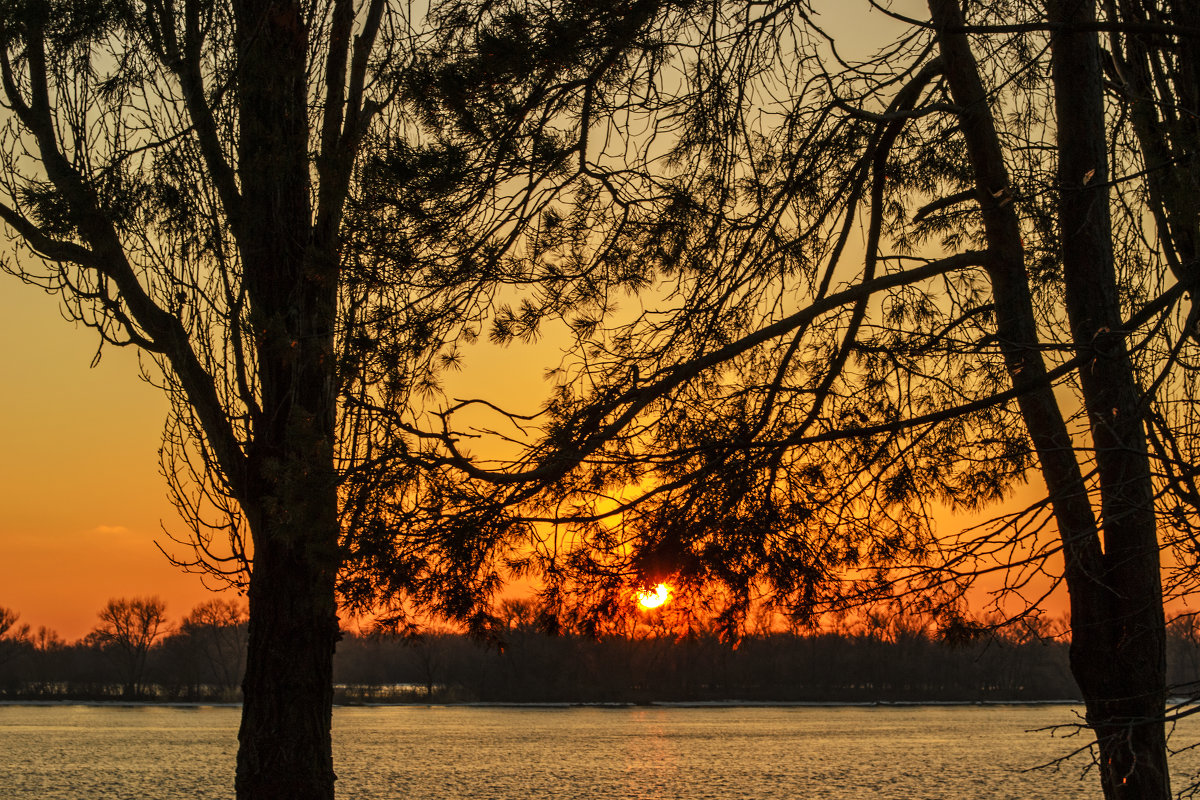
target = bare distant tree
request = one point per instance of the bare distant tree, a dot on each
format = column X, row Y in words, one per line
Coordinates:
column 11, row 637
column 127, row 631
column 46, row 639
column 8, row 618
column 217, row 630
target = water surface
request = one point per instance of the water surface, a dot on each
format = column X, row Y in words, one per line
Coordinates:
column 65, row 752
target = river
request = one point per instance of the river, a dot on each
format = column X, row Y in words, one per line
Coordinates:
column 69, row 752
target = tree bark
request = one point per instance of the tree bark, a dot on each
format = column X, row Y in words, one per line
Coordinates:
column 1118, row 656
column 1117, row 649
column 285, row 745
column 291, row 496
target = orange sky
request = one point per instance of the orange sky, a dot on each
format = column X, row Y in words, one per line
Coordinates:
column 80, row 495
column 81, row 500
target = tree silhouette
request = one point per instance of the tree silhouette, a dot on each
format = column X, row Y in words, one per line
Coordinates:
column 128, row 629
column 784, row 422
column 8, row 618
column 216, row 629
column 12, row 638
column 268, row 200
column 173, row 206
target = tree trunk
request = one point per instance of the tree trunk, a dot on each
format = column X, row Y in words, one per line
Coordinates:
column 291, row 495
column 285, row 748
column 1118, row 655
column 1117, row 649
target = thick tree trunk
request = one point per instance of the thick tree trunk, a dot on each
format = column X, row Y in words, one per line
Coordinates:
column 1116, row 600
column 1118, row 656
column 291, row 499
column 285, row 746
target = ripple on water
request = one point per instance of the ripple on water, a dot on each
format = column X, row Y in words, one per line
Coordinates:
column 657, row 753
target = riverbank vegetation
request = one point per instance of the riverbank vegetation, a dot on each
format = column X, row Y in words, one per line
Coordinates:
column 875, row 658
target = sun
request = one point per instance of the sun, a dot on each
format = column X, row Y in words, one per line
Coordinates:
column 648, row 599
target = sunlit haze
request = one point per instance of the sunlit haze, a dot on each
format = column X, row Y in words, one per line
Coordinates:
column 653, row 598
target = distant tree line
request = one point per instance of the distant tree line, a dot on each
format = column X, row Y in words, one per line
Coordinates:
column 134, row 654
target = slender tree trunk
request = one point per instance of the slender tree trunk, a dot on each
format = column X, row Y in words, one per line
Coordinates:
column 1120, row 661
column 1115, row 595
column 291, row 501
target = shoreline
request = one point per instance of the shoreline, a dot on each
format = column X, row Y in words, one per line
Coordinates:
column 665, row 704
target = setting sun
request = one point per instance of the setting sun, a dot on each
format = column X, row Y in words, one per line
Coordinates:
column 653, row 599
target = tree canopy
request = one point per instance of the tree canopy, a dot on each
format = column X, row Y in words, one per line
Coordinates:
column 784, row 412
column 296, row 212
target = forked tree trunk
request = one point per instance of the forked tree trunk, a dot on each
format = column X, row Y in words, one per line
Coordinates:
column 1117, row 650
column 1118, row 654
column 273, row 447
